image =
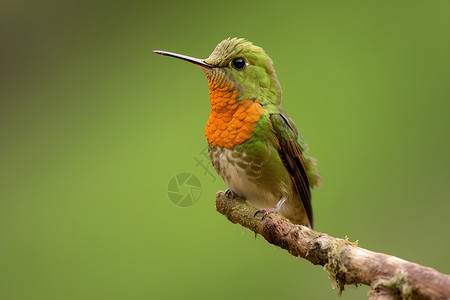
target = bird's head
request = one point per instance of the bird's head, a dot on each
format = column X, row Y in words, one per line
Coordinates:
column 238, row 66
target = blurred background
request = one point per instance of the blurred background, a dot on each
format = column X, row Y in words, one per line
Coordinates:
column 94, row 127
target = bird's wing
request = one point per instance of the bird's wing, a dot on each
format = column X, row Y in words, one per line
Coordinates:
column 292, row 155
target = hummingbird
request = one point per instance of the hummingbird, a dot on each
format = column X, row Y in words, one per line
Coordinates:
column 253, row 143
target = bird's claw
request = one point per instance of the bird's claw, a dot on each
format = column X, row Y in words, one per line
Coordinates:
column 274, row 209
column 266, row 211
column 230, row 194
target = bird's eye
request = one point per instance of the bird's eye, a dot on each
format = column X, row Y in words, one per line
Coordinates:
column 239, row 63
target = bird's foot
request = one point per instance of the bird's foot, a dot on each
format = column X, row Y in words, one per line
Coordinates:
column 274, row 209
column 230, row 194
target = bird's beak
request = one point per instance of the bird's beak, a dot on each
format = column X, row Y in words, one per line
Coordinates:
column 197, row 61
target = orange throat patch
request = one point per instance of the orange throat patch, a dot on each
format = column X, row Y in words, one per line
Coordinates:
column 230, row 122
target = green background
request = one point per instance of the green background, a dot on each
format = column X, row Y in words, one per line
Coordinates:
column 93, row 126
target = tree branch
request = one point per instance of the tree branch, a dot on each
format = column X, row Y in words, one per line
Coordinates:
column 389, row 277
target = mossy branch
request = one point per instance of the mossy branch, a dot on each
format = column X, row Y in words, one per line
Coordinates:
column 389, row 277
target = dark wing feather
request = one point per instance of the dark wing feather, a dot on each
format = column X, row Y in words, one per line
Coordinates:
column 291, row 154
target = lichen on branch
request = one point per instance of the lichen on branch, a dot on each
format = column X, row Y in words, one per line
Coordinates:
column 389, row 277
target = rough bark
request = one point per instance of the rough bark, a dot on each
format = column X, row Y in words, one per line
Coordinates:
column 389, row 277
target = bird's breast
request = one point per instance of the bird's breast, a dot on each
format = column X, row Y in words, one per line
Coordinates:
column 230, row 122
column 244, row 174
